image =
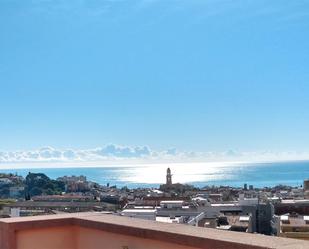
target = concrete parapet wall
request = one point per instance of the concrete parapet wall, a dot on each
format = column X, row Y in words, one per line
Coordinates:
column 98, row 231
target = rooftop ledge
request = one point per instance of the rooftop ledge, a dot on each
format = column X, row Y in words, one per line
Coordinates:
column 99, row 231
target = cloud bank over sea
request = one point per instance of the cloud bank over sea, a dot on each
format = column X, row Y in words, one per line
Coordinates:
column 132, row 154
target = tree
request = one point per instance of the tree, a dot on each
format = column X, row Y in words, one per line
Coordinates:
column 38, row 184
column 36, row 191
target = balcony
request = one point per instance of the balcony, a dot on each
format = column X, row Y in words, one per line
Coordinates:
column 103, row 231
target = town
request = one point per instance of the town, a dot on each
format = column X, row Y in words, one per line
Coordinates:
column 278, row 211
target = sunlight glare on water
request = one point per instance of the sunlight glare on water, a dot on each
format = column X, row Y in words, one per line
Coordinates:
column 182, row 172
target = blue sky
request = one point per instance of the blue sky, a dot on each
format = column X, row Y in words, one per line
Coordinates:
column 195, row 75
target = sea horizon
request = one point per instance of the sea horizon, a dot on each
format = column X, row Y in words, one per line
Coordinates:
column 199, row 174
column 108, row 164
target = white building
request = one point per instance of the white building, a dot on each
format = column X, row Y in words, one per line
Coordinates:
column 146, row 214
column 171, row 204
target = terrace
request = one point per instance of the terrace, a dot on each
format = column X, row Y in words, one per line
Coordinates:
column 100, row 231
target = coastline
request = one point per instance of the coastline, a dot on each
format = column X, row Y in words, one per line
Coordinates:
column 262, row 174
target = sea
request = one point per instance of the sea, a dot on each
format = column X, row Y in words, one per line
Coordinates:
column 236, row 174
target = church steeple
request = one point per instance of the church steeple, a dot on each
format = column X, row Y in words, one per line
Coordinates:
column 168, row 177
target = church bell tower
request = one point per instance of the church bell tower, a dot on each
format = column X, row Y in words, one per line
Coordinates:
column 168, row 177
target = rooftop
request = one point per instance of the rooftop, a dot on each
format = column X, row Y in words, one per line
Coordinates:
column 172, row 202
column 52, row 204
column 99, row 231
column 137, row 210
column 294, row 221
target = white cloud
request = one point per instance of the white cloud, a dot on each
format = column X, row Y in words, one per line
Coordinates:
column 49, row 154
column 127, row 154
column 122, row 151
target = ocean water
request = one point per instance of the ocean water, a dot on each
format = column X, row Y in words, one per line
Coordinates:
column 198, row 174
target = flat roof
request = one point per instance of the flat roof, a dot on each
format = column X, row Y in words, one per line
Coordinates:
column 145, row 211
column 224, row 205
column 167, row 219
column 172, row 202
column 284, row 217
column 244, row 218
column 57, row 204
column 298, row 221
column 302, row 201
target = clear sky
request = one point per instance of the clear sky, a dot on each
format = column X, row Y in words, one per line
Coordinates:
column 194, row 75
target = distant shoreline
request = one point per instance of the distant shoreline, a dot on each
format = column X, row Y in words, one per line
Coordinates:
column 267, row 174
